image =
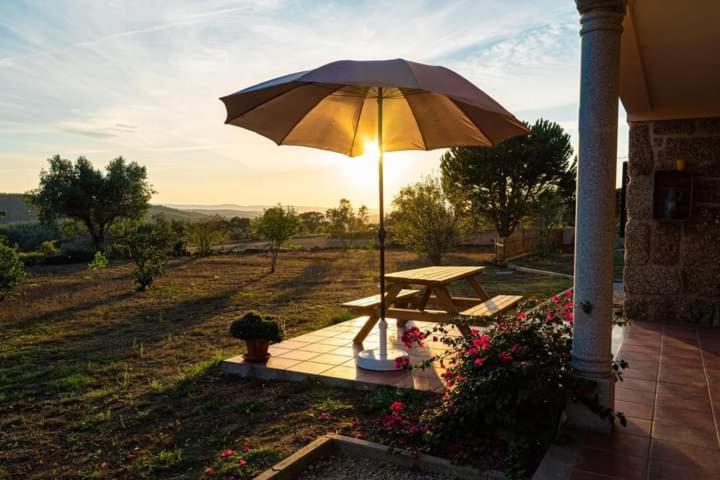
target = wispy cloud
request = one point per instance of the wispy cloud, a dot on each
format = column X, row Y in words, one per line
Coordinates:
column 141, row 78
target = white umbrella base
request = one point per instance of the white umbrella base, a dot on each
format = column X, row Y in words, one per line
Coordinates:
column 373, row 360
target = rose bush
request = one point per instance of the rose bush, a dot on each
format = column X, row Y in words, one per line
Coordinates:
column 506, row 387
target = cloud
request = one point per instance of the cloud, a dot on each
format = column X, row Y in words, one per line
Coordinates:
column 141, row 78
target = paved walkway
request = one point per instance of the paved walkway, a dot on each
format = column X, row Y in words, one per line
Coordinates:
column 671, row 397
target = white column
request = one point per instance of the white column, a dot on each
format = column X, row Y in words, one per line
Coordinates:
column 601, row 28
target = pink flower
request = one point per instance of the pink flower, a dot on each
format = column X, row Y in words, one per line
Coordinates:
column 482, row 342
column 402, row 362
column 209, row 472
column 569, row 317
column 514, row 347
column 506, row 356
column 397, row 406
column 231, row 477
column 555, row 299
column 569, row 294
column 473, row 351
column 242, row 462
column 324, row 416
column 227, row 453
column 479, row 361
column 521, row 316
column 550, row 317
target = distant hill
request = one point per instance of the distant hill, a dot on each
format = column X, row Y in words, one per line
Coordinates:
column 229, row 210
column 13, row 204
column 17, row 210
column 176, row 214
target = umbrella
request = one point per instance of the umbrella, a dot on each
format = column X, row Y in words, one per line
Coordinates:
column 404, row 105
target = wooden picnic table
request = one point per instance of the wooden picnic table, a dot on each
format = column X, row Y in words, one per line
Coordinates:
column 405, row 303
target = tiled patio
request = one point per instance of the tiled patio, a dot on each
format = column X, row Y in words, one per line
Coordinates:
column 329, row 355
column 671, row 397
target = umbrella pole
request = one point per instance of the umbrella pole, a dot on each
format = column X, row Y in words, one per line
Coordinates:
column 382, row 359
column 381, row 229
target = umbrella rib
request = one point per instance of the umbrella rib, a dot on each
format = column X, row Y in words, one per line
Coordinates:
column 417, row 123
column 357, row 122
column 337, row 87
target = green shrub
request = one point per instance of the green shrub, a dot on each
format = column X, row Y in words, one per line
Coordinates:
column 12, row 272
column 48, row 248
column 99, row 262
column 149, row 246
column 253, row 326
column 29, row 236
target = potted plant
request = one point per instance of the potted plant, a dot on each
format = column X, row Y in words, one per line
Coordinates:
column 258, row 332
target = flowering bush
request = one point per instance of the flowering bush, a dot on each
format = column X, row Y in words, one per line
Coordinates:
column 242, row 464
column 506, row 389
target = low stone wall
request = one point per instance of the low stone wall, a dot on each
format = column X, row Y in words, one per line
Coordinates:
column 672, row 270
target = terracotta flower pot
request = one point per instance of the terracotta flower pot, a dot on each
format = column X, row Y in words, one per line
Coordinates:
column 257, row 350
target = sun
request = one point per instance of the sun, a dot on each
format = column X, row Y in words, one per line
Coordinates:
column 363, row 169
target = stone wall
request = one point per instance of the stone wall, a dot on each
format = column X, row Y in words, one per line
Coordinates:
column 672, row 270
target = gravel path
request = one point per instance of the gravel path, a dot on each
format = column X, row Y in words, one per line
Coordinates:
column 353, row 468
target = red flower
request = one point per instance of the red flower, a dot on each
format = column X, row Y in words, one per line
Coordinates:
column 569, row 294
column 482, row 342
column 521, row 316
column 397, row 406
column 242, row 462
column 569, row 317
column 506, row 356
column 479, row 361
column 227, row 453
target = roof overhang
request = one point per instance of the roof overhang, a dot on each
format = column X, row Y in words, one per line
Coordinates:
column 669, row 64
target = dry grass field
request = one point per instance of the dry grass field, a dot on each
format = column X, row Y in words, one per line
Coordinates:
column 99, row 381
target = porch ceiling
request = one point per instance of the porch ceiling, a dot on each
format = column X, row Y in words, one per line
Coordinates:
column 670, row 65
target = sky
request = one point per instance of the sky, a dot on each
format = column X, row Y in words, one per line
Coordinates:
column 141, row 79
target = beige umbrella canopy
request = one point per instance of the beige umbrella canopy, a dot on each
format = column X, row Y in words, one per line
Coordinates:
column 335, row 108
column 404, row 105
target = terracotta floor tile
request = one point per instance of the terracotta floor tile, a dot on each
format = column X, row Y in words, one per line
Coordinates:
column 298, row 355
column 638, row 384
column 337, row 342
column 615, row 465
column 639, row 348
column 277, row 350
column 685, row 390
column 684, row 454
column 309, row 338
column 347, row 351
column 642, row 374
column 683, row 434
column 281, row 363
column 637, row 426
column 670, row 400
column 618, row 442
column 636, row 396
column 309, row 367
column 291, row 344
column 669, row 374
column 689, row 418
column 331, row 359
column 659, row 470
column 317, row 348
column 637, row 410
column 343, row 372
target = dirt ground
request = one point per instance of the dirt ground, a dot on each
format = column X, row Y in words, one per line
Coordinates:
column 100, row 381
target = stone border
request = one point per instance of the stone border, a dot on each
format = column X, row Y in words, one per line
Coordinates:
column 295, row 464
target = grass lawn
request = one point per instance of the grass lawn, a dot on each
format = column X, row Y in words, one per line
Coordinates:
column 99, row 381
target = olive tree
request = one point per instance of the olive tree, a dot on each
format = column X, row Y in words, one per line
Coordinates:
column 277, row 225
column 425, row 219
column 207, row 233
column 80, row 192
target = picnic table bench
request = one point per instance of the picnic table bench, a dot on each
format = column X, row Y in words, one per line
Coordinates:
column 405, row 303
